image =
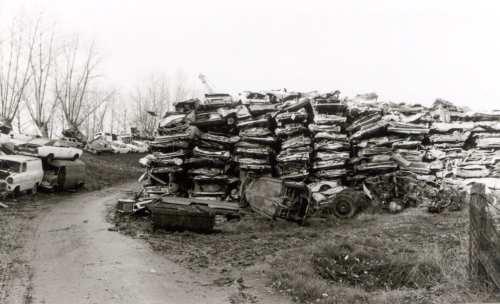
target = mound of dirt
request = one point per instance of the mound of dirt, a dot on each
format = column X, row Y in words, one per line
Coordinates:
column 371, row 269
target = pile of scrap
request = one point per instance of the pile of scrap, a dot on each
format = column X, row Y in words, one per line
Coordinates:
column 483, row 161
column 331, row 147
column 404, row 152
column 255, row 152
column 295, row 149
column 210, row 166
column 448, row 138
column 397, row 190
column 170, row 149
column 399, row 154
column 189, row 213
column 446, row 148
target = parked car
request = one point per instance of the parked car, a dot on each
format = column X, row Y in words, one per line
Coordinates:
column 46, row 148
column 119, row 148
column 69, row 142
column 105, row 136
column 20, row 173
column 62, row 174
column 73, row 133
column 99, row 146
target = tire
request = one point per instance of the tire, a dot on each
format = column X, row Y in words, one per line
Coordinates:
column 16, row 192
column 75, row 157
column 348, row 203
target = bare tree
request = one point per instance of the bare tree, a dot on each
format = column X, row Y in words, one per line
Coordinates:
column 76, row 75
column 16, row 52
column 119, row 111
column 41, row 102
column 102, row 100
column 181, row 88
column 100, row 117
column 151, row 100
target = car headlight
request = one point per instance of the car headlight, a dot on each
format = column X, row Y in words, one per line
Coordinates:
column 10, row 180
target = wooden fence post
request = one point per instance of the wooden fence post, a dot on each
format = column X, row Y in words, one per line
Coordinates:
column 477, row 219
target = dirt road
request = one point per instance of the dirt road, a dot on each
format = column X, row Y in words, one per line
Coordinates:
column 74, row 258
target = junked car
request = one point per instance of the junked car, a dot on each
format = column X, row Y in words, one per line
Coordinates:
column 46, row 148
column 297, row 201
column 141, row 146
column 63, row 174
column 98, row 146
column 20, row 173
column 132, row 148
column 119, row 148
column 68, row 142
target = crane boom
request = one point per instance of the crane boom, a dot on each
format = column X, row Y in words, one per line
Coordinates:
column 204, row 80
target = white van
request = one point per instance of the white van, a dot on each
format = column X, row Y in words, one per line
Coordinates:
column 20, row 173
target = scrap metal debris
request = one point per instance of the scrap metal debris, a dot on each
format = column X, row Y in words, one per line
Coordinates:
column 399, row 155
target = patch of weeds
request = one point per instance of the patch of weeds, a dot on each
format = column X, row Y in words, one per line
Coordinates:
column 370, row 269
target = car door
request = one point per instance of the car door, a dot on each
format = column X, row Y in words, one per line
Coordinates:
column 71, row 152
column 62, row 152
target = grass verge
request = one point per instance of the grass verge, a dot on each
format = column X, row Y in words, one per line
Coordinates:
column 111, row 169
column 413, row 257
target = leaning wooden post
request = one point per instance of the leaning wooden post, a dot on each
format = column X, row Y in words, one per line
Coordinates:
column 477, row 220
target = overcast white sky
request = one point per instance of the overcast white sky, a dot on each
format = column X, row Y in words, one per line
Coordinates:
column 404, row 50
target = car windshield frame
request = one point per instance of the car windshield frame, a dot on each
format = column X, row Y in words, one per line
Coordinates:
column 10, row 165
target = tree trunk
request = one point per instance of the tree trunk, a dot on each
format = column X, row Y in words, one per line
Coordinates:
column 43, row 128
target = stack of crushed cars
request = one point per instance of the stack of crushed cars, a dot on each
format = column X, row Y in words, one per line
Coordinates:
column 256, row 151
column 484, row 160
column 390, row 160
column 331, row 149
column 293, row 160
column 400, row 154
column 331, row 146
column 169, row 151
column 447, row 140
column 465, row 142
column 408, row 154
column 210, row 168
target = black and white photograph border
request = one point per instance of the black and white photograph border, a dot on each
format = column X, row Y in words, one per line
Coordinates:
column 249, row 152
